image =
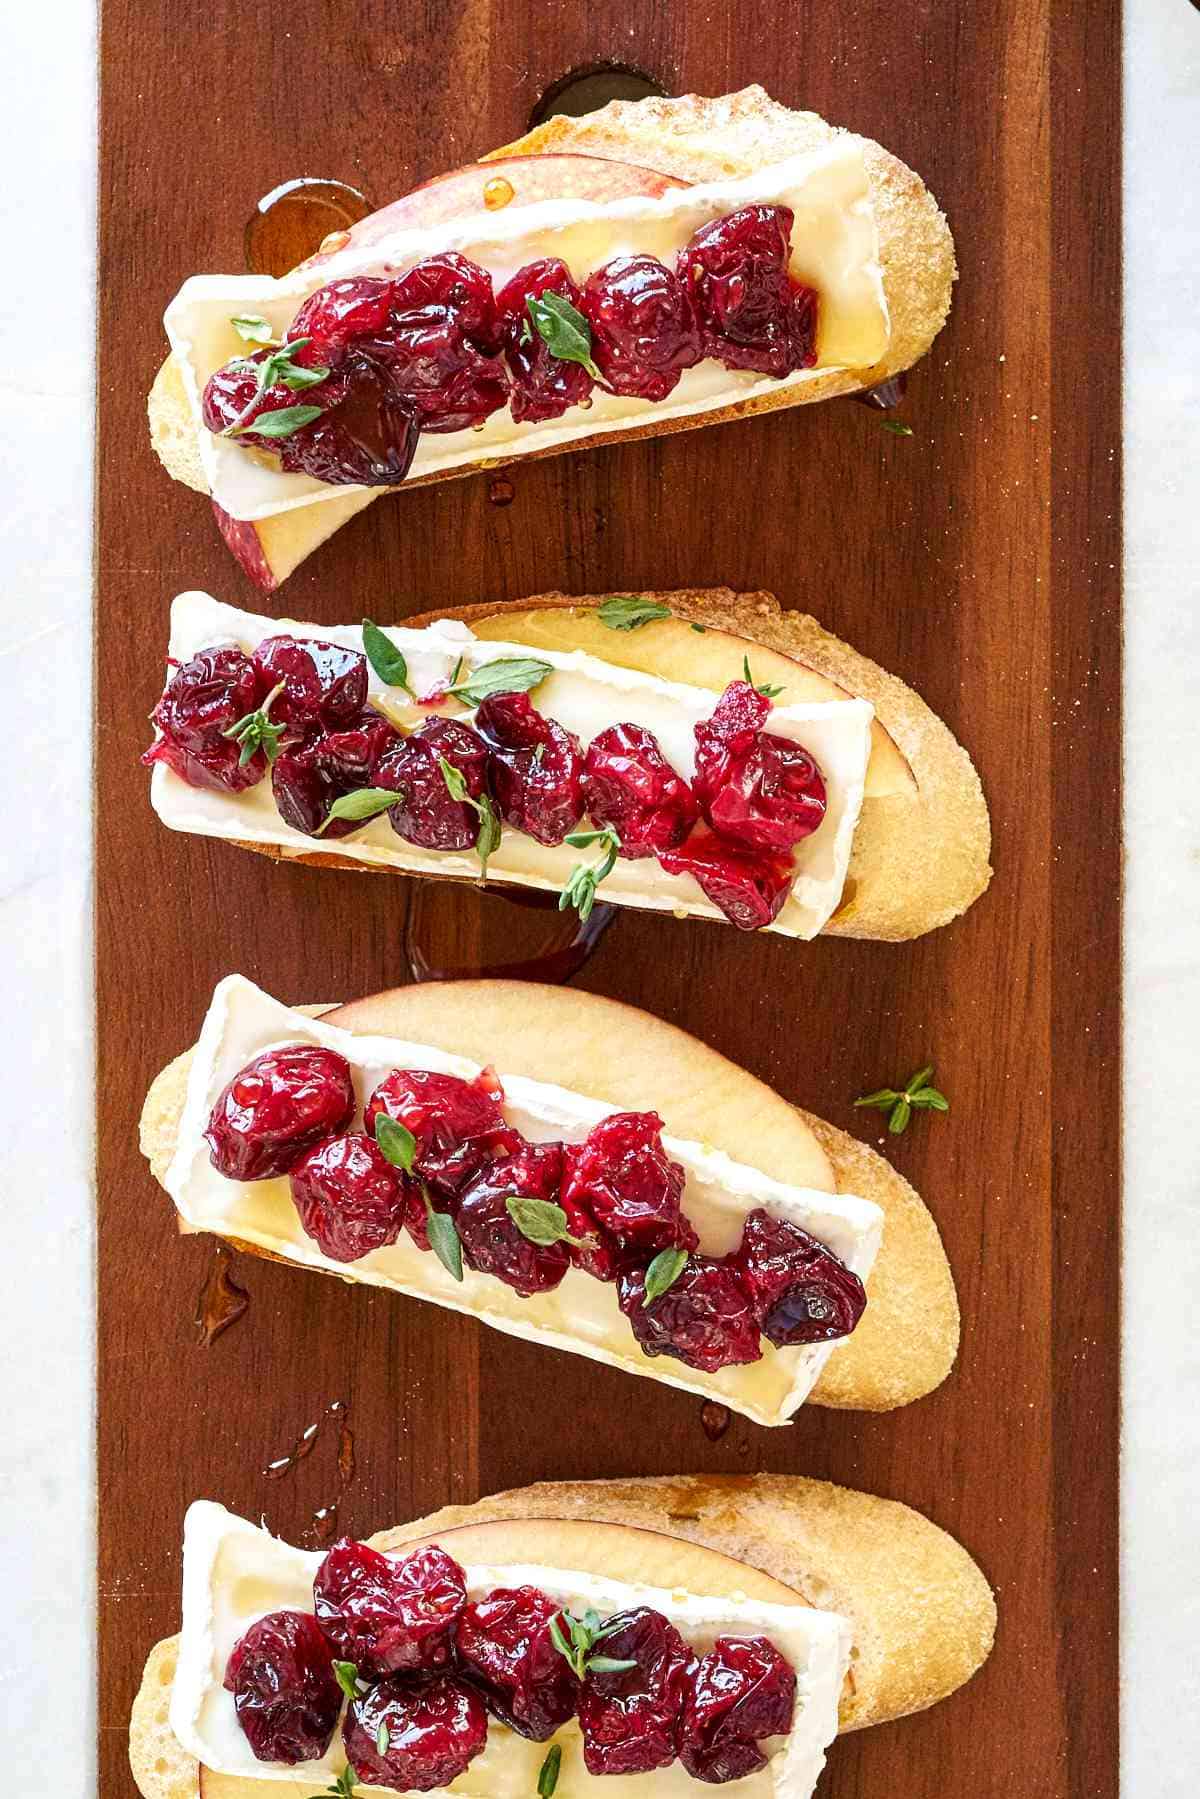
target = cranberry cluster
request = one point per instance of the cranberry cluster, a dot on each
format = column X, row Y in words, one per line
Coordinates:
column 299, row 709
column 438, row 349
column 609, row 1206
column 422, row 1668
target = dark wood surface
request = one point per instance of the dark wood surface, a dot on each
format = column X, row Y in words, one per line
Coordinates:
column 978, row 559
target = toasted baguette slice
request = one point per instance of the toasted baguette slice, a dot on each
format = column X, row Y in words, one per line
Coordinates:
column 923, row 838
column 923, row 1614
column 907, row 1340
column 692, row 139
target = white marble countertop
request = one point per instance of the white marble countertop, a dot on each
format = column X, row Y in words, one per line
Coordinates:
column 47, row 64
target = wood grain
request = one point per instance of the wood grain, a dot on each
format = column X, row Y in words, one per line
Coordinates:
column 978, row 559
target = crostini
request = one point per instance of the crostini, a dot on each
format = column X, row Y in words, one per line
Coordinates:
column 698, row 754
column 648, row 268
column 676, row 1633
column 570, row 1171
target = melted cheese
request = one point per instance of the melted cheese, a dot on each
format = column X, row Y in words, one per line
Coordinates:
column 585, row 695
column 581, row 1314
column 234, row 1573
column 835, row 249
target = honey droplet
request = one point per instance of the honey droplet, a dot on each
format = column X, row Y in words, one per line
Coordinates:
column 497, row 193
column 501, row 491
column 295, row 219
column 337, row 240
column 715, row 1419
column 584, row 405
column 222, row 1302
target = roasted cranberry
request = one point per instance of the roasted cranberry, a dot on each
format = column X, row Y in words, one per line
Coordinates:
column 202, row 700
column 458, row 1125
column 284, row 1689
column 644, row 332
column 337, row 315
column 542, row 384
column 308, row 778
column 426, row 814
column 629, row 784
column 505, row 1647
column 630, row 1720
column 799, row 1290
column 441, row 343
column 752, row 314
column 365, row 435
column 432, row 1729
column 350, row 1198
column 491, row 1242
column 389, row 1613
column 622, row 1183
column 323, row 684
column 534, row 767
column 704, row 1320
column 748, row 886
column 755, row 789
column 278, row 1108
column 742, row 1691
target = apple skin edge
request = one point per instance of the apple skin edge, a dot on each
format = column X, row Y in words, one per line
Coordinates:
column 437, row 202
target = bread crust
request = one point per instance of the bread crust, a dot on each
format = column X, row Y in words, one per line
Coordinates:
column 907, row 1341
column 923, row 1613
column 698, row 139
column 918, row 860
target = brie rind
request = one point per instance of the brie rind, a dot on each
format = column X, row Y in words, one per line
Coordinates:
column 835, row 249
column 581, row 1314
column 585, row 695
column 234, row 1573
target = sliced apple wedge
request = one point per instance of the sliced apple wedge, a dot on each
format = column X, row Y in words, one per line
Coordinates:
column 618, row 1551
column 678, row 651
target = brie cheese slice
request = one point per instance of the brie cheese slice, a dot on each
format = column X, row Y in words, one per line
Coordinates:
column 234, row 1573
column 835, row 249
column 582, row 1313
column 585, row 695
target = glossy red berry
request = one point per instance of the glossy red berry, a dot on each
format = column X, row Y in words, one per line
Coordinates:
column 458, row 1125
column 756, row 789
column 324, row 684
column 349, row 1197
column 426, row 813
column 622, row 1180
column 644, row 331
column 749, row 886
column 442, row 343
column 742, row 1692
column 491, row 1242
column 389, row 1614
column 629, row 784
column 800, row 1291
column 630, row 1719
column 415, row 1736
column 307, row 778
column 277, row 1108
column 341, row 313
column 752, row 314
column 203, row 700
column 505, row 1648
column 542, row 385
column 704, row 1320
column 534, row 767
column 284, row 1689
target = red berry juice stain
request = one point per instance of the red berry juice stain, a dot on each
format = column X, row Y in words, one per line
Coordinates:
column 296, row 219
column 222, row 1302
column 715, row 1420
column 457, row 933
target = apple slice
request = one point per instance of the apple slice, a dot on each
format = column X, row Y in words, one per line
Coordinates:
column 269, row 549
column 616, row 1551
column 676, row 651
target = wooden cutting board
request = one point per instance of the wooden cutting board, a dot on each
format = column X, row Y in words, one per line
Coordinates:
column 978, row 559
